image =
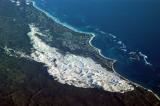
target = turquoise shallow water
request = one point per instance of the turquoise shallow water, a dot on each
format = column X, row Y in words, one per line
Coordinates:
column 136, row 23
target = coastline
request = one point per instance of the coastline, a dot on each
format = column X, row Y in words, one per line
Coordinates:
column 73, row 29
column 98, row 50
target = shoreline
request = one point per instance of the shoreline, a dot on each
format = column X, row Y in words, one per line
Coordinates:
column 97, row 49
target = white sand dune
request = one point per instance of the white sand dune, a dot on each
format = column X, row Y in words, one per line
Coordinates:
column 75, row 70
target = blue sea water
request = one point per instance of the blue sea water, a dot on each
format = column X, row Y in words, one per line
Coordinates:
column 125, row 30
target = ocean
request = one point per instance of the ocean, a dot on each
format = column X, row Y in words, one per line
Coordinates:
column 126, row 30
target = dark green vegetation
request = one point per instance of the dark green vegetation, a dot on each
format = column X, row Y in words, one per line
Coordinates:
column 63, row 38
column 13, row 27
column 26, row 83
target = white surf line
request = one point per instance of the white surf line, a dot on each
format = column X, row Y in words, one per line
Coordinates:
column 72, row 28
column 75, row 70
column 93, row 35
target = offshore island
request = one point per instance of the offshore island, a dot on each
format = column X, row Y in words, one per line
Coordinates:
column 44, row 63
